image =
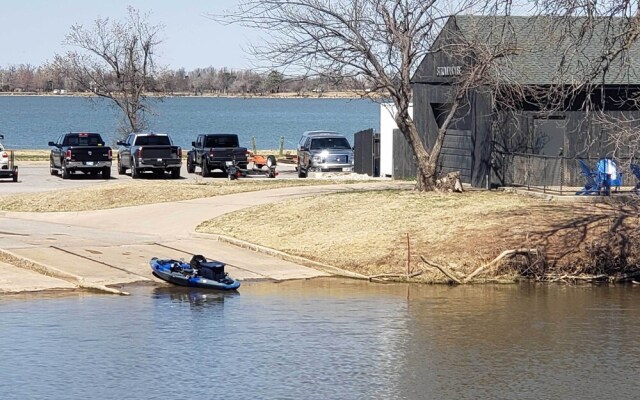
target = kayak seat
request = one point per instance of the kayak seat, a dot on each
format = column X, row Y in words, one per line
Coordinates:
column 197, row 260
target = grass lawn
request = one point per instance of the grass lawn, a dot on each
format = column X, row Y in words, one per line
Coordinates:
column 140, row 192
column 369, row 232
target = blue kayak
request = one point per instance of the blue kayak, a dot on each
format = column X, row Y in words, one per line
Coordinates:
column 198, row 273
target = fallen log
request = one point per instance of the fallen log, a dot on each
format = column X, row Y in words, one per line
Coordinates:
column 569, row 277
column 504, row 254
column 406, row 276
column 442, row 269
column 626, row 277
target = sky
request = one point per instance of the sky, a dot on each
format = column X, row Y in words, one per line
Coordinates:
column 32, row 31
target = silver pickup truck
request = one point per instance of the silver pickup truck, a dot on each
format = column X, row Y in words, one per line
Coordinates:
column 323, row 151
column 154, row 152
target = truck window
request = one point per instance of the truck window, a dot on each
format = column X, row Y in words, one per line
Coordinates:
column 83, row 140
column 154, row 140
column 221, row 141
column 330, row 143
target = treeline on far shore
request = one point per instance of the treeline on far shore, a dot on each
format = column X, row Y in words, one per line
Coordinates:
column 26, row 78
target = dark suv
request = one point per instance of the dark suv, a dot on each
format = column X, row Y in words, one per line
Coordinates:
column 324, row 152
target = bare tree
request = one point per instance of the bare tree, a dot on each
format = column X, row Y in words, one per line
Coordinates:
column 612, row 28
column 115, row 60
column 381, row 41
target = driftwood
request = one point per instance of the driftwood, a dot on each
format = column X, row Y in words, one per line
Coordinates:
column 626, row 277
column 568, row 278
column 449, row 274
column 449, row 183
column 504, row 254
column 483, row 268
column 405, row 276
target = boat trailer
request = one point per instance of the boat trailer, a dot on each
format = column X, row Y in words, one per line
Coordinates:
column 261, row 166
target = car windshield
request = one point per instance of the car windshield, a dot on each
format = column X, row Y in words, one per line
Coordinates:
column 153, row 140
column 83, row 140
column 221, row 141
column 330, row 143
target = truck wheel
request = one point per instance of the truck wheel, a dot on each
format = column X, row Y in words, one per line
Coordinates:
column 271, row 161
column 65, row 172
column 205, row 169
column 134, row 171
column 175, row 173
column 191, row 168
column 301, row 173
column 121, row 169
column 52, row 170
column 106, row 173
column 15, row 174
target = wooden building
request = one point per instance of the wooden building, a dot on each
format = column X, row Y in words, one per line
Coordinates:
column 541, row 59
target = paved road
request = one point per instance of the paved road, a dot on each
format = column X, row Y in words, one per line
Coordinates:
column 110, row 248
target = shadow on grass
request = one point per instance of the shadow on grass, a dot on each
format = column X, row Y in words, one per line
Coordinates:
column 600, row 238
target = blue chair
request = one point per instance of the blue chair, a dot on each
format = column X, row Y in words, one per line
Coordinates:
column 610, row 174
column 601, row 179
column 592, row 186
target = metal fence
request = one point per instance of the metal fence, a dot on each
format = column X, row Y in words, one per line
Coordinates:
column 548, row 174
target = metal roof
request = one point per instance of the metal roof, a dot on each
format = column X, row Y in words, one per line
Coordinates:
column 553, row 50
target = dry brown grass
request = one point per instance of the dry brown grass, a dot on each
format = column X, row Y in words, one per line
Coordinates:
column 31, row 155
column 139, row 192
column 366, row 232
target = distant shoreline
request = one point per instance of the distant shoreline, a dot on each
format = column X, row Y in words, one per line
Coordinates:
column 350, row 95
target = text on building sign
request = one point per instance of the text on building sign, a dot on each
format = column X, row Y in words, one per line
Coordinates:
column 453, row 70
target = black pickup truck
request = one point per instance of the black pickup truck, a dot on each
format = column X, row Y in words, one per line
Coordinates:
column 80, row 151
column 216, row 151
column 149, row 152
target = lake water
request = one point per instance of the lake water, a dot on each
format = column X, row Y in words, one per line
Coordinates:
column 324, row 339
column 29, row 122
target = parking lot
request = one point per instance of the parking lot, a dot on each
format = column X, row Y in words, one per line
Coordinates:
column 34, row 176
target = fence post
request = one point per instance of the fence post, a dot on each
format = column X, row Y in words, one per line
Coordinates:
column 544, row 175
column 561, row 174
column 281, row 152
column 528, row 172
column 253, row 145
column 504, row 177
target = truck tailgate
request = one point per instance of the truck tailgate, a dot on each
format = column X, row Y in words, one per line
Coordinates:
column 89, row 153
column 157, row 152
column 229, row 153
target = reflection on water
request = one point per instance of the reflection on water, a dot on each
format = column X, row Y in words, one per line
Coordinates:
column 196, row 297
column 324, row 339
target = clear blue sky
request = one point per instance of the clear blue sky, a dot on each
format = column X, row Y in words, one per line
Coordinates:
column 32, row 31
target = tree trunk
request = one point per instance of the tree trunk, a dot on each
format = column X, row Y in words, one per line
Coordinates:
column 426, row 160
column 425, row 169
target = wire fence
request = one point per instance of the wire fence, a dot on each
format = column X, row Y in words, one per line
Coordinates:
column 555, row 175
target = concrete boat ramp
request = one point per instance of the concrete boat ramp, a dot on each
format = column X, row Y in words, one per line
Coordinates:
column 63, row 257
column 106, row 249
